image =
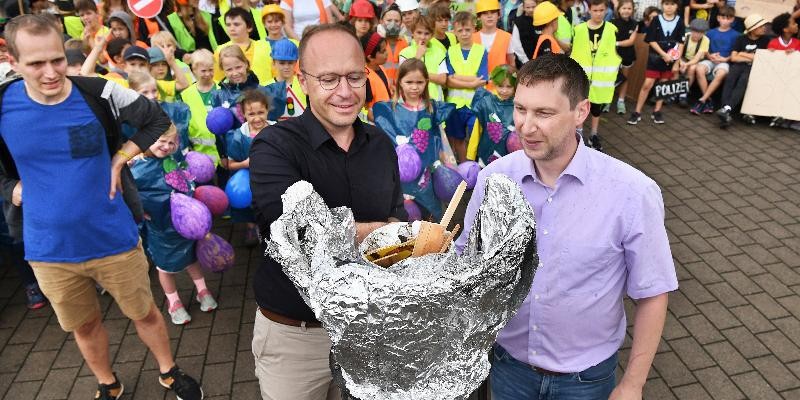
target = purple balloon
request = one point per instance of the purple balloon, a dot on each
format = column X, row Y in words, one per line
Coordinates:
column 219, row 120
column 445, row 182
column 469, row 171
column 413, row 211
column 214, row 253
column 213, row 197
column 408, row 162
column 513, row 143
column 190, row 217
column 201, row 166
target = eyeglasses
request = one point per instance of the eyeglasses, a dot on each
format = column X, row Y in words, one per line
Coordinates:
column 331, row 81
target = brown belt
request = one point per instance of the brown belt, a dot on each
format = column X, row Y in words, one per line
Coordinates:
column 274, row 317
column 547, row 372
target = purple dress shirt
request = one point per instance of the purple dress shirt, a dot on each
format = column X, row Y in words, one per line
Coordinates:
column 600, row 234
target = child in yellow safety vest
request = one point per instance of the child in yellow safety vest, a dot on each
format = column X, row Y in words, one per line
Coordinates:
column 288, row 97
column 432, row 56
column 594, row 47
column 239, row 23
column 165, row 41
column 440, row 12
column 162, row 65
column 198, row 97
column 467, row 70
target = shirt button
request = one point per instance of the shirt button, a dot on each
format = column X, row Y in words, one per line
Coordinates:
column 533, row 352
column 544, row 231
column 549, row 199
column 536, row 297
column 535, row 328
column 541, row 265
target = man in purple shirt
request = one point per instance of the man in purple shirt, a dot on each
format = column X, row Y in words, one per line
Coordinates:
column 600, row 235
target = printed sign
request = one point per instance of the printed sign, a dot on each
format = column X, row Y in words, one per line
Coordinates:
column 145, row 8
column 671, row 88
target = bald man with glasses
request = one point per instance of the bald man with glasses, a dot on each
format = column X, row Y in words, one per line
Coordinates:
column 350, row 164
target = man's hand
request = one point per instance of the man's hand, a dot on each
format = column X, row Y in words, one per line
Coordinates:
column 117, row 162
column 626, row 392
column 365, row 228
column 16, row 195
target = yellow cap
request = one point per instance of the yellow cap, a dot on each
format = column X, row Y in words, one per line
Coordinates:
column 544, row 13
column 271, row 9
column 486, row 5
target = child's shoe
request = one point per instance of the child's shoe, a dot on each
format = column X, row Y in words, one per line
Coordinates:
column 206, row 300
column 595, row 141
column 697, row 109
column 657, row 118
column 635, row 118
column 36, row 299
column 708, row 108
column 749, row 119
column 724, row 115
column 621, row 109
column 178, row 314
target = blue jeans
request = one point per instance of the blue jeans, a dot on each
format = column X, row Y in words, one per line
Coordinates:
column 512, row 379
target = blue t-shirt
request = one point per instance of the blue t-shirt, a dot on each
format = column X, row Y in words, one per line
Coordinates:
column 483, row 69
column 722, row 42
column 62, row 158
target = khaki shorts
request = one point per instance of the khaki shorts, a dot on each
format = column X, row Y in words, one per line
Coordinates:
column 70, row 287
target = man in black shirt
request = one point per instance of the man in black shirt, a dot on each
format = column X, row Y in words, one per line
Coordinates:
column 742, row 56
column 350, row 164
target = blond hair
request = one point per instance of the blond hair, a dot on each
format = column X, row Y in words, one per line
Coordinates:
column 137, row 80
column 202, row 56
column 163, row 36
column 233, row 51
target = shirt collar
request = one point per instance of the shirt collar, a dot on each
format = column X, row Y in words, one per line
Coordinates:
column 578, row 167
column 318, row 135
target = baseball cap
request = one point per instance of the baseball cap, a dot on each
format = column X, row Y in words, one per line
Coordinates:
column 75, row 56
column 699, row 25
column 156, row 55
column 135, row 52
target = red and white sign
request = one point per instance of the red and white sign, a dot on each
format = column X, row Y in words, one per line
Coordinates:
column 146, row 8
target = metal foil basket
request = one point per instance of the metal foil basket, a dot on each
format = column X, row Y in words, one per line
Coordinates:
column 422, row 327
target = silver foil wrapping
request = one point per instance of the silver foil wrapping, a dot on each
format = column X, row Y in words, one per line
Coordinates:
column 422, row 328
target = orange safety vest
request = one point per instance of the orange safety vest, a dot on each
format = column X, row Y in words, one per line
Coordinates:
column 323, row 16
column 393, row 59
column 379, row 90
column 499, row 49
column 554, row 46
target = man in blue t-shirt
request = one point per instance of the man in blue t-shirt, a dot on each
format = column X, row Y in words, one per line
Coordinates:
column 61, row 138
column 717, row 62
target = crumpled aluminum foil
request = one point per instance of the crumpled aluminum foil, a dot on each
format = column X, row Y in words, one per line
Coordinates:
column 422, row 328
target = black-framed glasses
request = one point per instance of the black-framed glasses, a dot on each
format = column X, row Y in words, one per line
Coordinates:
column 331, row 81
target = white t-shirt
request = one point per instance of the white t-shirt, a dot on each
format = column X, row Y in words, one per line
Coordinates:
column 304, row 13
column 487, row 40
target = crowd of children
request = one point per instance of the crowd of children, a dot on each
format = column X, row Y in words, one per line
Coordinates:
column 441, row 74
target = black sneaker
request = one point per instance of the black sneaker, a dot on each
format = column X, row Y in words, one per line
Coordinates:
column 112, row 391
column 776, row 122
column 657, row 118
column 749, row 119
column 184, row 386
column 683, row 101
column 724, row 115
column 595, row 142
column 635, row 118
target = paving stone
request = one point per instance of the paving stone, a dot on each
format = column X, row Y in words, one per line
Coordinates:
column 246, row 391
column 746, row 265
column 718, row 384
column 656, row 389
column 28, row 330
column 694, row 291
column 775, row 288
column 245, row 367
column 680, row 305
column 725, row 293
column 728, row 358
column 755, row 387
column 23, row 390
column 694, row 391
column 218, row 380
column 222, row 348
column 58, row 384
column 701, row 329
column 773, row 370
column 84, row 388
column 780, row 346
column 5, row 381
column 719, row 315
column 194, row 342
column 767, row 305
column 752, row 319
column 702, row 272
column 760, row 254
column 745, row 342
column 226, row 321
column 741, row 283
column 52, row 338
column 691, row 353
column 13, row 357
column 725, row 245
column 784, row 273
column 672, row 328
column 36, row 366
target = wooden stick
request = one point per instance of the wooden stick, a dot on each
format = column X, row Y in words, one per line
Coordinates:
column 451, row 208
column 450, row 238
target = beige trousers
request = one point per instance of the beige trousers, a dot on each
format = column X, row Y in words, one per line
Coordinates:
column 292, row 363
